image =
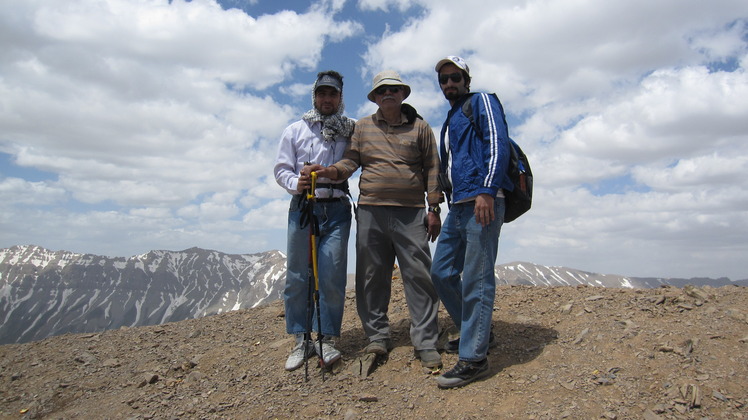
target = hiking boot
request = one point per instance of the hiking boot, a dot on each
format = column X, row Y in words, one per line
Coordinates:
column 453, row 346
column 463, row 373
column 329, row 354
column 429, row 358
column 380, row 346
column 299, row 354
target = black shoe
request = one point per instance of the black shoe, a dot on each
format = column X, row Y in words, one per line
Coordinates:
column 453, row 346
column 463, row 373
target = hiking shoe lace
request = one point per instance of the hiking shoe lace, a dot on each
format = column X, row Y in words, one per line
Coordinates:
column 463, row 373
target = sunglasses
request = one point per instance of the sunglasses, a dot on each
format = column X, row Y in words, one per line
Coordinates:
column 444, row 78
column 381, row 90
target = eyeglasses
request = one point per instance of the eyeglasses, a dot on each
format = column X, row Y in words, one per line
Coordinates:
column 381, row 90
column 456, row 77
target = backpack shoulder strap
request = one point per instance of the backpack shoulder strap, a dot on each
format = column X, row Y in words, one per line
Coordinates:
column 467, row 109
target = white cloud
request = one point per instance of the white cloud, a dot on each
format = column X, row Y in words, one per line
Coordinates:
column 20, row 191
column 155, row 123
column 387, row 5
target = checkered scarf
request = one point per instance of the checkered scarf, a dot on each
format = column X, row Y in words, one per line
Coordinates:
column 332, row 125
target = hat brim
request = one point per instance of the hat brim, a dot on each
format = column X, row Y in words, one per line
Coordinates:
column 444, row 61
column 332, row 85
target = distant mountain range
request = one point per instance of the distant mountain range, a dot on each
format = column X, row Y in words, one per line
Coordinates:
column 45, row 293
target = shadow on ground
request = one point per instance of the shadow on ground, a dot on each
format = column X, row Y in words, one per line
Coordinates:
column 517, row 343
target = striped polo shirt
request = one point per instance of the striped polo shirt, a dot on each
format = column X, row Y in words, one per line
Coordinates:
column 399, row 163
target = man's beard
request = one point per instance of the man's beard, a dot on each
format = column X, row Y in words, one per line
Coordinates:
column 452, row 94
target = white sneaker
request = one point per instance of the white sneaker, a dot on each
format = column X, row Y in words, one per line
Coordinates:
column 299, row 354
column 329, row 354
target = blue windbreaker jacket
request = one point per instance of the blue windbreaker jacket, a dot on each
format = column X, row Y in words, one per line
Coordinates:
column 480, row 158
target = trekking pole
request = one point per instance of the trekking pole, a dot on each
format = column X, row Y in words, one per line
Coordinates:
column 315, row 271
column 308, row 335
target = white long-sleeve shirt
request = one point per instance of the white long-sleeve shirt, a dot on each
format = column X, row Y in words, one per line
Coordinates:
column 302, row 142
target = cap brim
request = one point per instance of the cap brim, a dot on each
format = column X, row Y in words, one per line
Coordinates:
column 332, row 85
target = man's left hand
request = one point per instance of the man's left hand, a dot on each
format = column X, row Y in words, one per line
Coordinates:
column 434, row 226
column 484, row 209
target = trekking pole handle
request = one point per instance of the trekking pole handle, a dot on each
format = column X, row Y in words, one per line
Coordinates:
column 310, row 191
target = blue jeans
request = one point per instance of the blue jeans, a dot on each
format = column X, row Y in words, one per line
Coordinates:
column 464, row 277
column 332, row 260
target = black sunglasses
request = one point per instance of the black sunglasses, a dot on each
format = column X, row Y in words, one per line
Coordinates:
column 456, row 77
column 392, row 89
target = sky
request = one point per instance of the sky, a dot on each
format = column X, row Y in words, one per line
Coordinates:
column 134, row 125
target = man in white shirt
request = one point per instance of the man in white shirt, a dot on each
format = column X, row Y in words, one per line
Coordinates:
column 319, row 137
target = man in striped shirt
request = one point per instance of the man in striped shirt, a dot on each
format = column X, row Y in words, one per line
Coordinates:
column 399, row 160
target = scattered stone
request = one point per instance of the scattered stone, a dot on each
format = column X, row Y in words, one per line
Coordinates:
column 736, row 314
column 581, row 336
column 85, row 358
column 659, row 408
column 691, row 394
column 568, row 385
column 111, row 363
column 195, row 376
column 148, row 379
column 685, row 348
column 694, row 292
column 350, row 414
column 649, row 415
column 368, row 398
column 627, row 324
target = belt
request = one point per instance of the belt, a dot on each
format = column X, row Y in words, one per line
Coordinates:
column 299, row 197
column 343, row 186
column 330, row 200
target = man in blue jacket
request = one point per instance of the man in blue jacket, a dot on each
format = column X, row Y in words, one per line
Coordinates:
column 474, row 157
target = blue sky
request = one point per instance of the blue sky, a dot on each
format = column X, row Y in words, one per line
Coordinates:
column 127, row 126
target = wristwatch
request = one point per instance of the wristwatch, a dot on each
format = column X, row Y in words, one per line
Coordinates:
column 435, row 209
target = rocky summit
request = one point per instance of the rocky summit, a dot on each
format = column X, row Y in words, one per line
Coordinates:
column 564, row 353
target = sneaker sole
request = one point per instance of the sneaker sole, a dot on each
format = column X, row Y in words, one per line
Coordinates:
column 330, row 362
column 375, row 349
column 461, row 382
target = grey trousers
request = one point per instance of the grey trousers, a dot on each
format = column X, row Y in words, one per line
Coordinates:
column 383, row 233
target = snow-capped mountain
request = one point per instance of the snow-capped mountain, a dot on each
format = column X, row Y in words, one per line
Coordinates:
column 538, row 275
column 45, row 293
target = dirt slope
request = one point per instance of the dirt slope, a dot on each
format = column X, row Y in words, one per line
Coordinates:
column 576, row 353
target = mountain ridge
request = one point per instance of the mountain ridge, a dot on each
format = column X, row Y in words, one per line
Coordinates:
column 45, row 293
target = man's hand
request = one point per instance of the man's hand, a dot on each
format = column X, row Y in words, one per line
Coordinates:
column 322, row 172
column 304, row 183
column 434, row 226
column 484, row 209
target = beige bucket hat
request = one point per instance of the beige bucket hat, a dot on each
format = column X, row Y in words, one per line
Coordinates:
column 387, row 78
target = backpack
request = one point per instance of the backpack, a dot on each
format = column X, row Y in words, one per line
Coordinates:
column 519, row 200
